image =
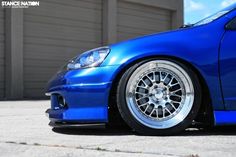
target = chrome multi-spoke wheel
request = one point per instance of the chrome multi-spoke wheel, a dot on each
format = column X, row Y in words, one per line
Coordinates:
column 159, row 94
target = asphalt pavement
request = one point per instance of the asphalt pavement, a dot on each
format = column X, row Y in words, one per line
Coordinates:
column 24, row 132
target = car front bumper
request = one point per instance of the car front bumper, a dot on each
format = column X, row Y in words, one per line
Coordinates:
column 85, row 94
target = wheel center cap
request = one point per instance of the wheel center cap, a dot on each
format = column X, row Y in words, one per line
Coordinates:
column 158, row 93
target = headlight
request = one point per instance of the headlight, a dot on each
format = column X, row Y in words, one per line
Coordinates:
column 90, row 58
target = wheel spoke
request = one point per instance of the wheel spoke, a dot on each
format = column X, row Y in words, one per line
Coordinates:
column 168, row 110
column 176, row 95
column 173, row 106
column 152, row 111
column 154, row 76
column 163, row 80
column 172, row 85
column 150, row 79
column 157, row 113
column 142, row 87
column 142, row 98
column 165, row 77
column 146, row 107
column 160, row 76
column 143, row 104
column 175, row 91
column 172, row 78
column 144, row 83
column 163, row 112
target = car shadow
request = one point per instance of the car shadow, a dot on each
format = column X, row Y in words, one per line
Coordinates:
column 124, row 131
column 214, row 131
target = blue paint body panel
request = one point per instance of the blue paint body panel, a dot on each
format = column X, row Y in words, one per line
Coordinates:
column 228, row 69
column 225, row 117
column 86, row 94
column 209, row 48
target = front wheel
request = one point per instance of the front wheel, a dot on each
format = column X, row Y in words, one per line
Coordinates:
column 159, row 97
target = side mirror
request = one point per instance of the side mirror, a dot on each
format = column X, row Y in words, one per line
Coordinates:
column 231, row 25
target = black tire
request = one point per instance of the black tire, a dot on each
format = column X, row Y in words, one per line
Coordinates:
column 142, row 129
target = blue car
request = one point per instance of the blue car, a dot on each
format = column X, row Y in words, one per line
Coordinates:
column 159, row 84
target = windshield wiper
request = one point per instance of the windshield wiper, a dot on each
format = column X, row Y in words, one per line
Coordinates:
column 187, row 26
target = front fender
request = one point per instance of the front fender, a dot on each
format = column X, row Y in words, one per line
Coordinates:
column 197, row 46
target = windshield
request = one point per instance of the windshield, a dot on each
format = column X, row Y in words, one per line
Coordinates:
column 212, row 18
column 215, row 16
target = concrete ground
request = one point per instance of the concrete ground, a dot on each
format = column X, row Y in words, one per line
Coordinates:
column 24, row 132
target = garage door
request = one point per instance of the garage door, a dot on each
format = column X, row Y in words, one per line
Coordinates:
column 55, row 32
column 2, row 76
column 137, row 19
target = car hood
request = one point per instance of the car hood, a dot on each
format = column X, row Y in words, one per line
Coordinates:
column 165, row 43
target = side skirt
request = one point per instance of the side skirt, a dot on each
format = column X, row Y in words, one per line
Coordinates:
column 225, row 117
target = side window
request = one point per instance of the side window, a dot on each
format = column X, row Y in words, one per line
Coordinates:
column 231, row 25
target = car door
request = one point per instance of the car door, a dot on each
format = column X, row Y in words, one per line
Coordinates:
column 228, row 65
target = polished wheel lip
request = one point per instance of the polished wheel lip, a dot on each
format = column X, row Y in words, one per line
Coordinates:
column 187, row 98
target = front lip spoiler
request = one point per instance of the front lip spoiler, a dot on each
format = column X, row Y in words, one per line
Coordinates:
column 75, row 125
